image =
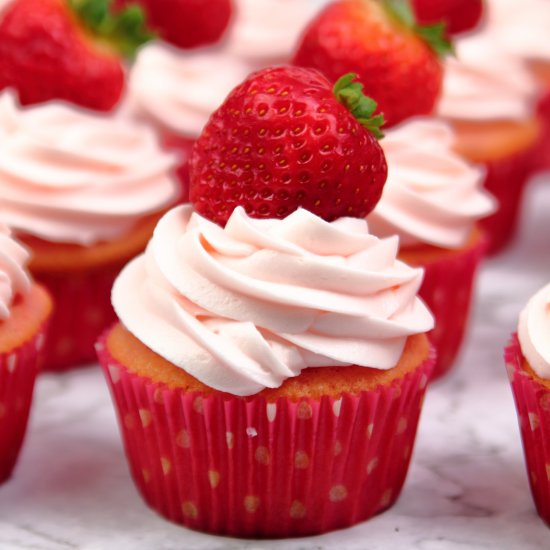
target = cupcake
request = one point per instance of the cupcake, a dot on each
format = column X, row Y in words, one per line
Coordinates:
column 268, row 372
column 489, row 100
column 528, row 362
column 25, row 309
column 433, row 200
column 83, row 192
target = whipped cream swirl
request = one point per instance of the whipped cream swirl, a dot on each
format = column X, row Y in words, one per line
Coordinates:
column 431, row 195
column 533, row 331
column 243, row 308
column 14, row 278
column 485, row 83
column 72, row 176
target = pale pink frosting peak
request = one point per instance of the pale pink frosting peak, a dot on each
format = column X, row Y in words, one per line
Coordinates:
column 244, row 307
column 534, row 332
column 14, row 278
column 72, row 176
column 432, row 196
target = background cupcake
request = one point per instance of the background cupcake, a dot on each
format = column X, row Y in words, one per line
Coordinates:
column 24, row 312
column 433, row 200
column 83, row 192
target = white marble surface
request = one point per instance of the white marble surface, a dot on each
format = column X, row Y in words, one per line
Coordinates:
column 467, row 487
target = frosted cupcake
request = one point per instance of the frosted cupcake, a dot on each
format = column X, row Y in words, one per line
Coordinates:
column 528, row 363
column 84, row 193
column 433, row 200
column 24, row 312
column 269, row 375
column 489, row 100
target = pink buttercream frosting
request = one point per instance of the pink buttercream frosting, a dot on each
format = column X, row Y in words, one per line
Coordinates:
column 14, row 278
column 534, row 331
column 72, row 176
column 431, row 195
column 243, row 308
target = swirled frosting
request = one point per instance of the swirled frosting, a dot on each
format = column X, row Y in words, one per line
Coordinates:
column 520, row 28
column 179, row 92
column 533, row 331
column 14, row 278
column 245, row 307
column 485, row 83
column 76, row 177
column 431, row 195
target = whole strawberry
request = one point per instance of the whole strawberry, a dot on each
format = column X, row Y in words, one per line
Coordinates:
column 285, row 139
column 396, row 60
column 186, row 23
column 67, row 49
column 458, row 15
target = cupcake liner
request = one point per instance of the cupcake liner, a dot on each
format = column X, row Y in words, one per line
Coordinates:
column 533, row 406
column 541, row 156
column 82, row 310
column 18, row 370
column 506, row 179
column 447, row 291
column 250, row 468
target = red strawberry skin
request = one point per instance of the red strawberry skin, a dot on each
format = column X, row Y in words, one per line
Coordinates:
column 282, row 141
column 45, row 55
column 186, row 23
column 398, row 69
column 458, row 15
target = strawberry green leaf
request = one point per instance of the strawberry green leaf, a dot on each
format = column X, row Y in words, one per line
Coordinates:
column 350, row 94
column 434, row 36
column 124, row 30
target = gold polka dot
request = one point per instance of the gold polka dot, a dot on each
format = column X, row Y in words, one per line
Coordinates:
column 534, row 421
column 213, row 478
column 198, row 405
column 145, row 417
column 304, row 411
column 297, row 510
column 402, row 425
column 545, row 402
column 301, row 460
column 337, row 493
column 510, row 369
column 337, row 407
column 114, row 373
column 423, row 381
column 251, row 503
column 548, row 471
column 146, row 475
column 370, row 429
column 230, row 439
column 337, row 448
column 11, row 362
column 271, row 410
column 190, row 509
column 130, row 421
column 386, row 498
column 183, row 439
column 407, row 452
column 158, row 396
column 40, row 341
column 397, row 392
column 372, row 465
column 533, row 478
column 262, row 455
column 166, row 465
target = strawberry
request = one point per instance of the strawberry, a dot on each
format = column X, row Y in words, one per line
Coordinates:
column 458, row 15
column 380, row 41
column 70, row 50
column 186, row 23
column 285, row 139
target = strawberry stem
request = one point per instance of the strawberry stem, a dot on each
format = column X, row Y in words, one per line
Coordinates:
column 434, row 36
column 124, row 30
column 350, row 94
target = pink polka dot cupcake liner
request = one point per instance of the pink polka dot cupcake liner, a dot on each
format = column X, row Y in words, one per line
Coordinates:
column 18, row 370
column 246, row 467
column 82, row 310
column 447, row 290
column 506, row 180
column 533, row 407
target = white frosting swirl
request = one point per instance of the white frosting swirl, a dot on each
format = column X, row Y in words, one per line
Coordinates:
column 14, row 278
column 245, row 307
column 484, row 83
column 71, row 176
column 520, row 28
column 431, row 195
column 534, row 331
